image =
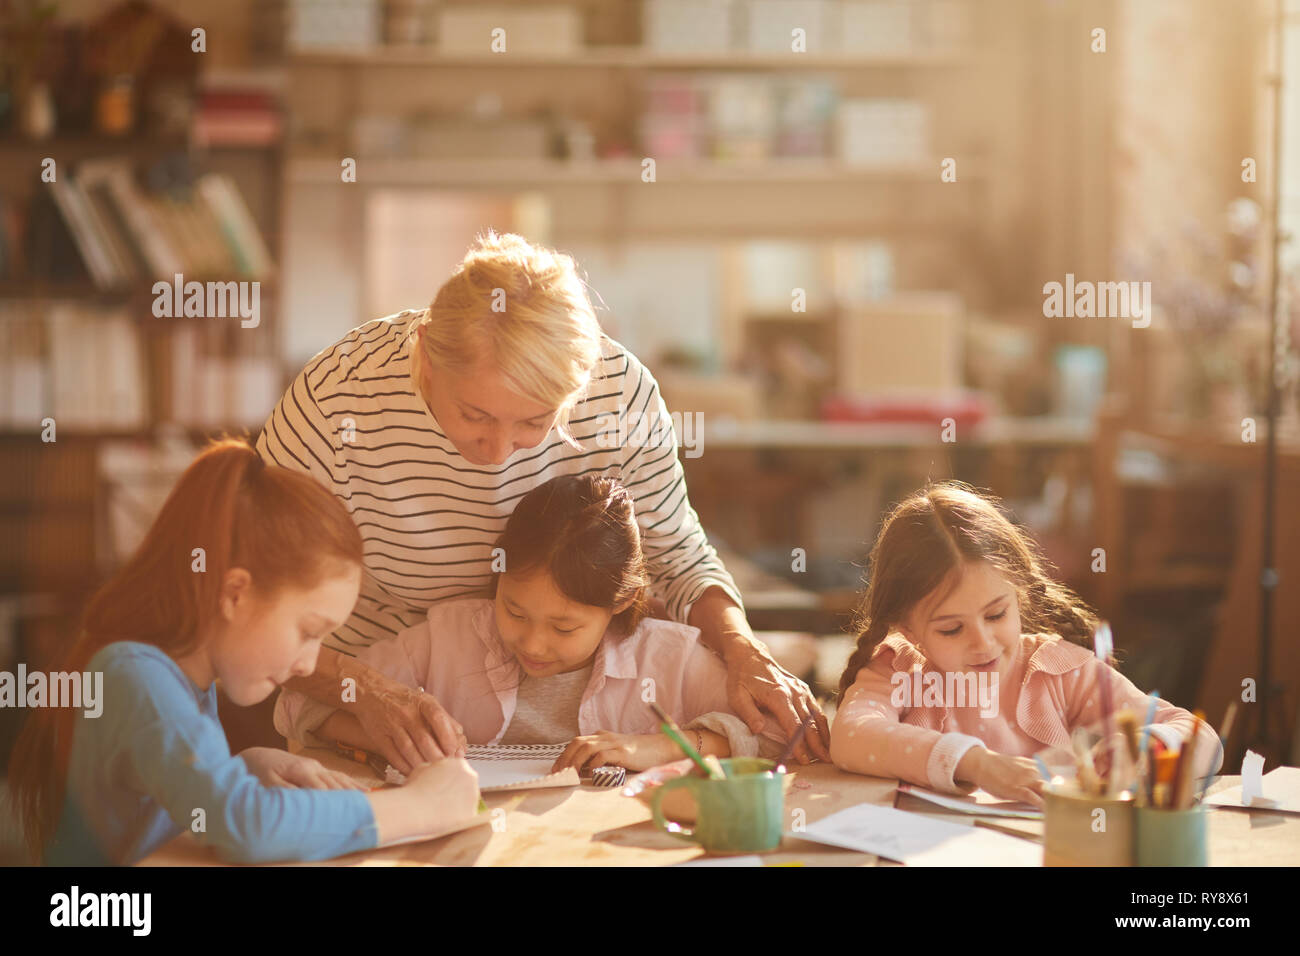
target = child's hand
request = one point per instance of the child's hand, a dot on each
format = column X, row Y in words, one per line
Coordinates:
column 1103, row 755
column 447, row 791
column 633, row 751
column 279, row 768
column 1004, row 776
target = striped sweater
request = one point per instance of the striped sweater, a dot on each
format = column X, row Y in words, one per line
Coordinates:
column 354, row 420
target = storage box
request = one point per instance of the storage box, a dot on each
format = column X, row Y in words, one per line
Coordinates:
column 333, row 24
column 690, row 26
column 713, row 396
column 883, row 132
column 908, row 342
column 770, row 23
column 536, row 31
column 876, row 27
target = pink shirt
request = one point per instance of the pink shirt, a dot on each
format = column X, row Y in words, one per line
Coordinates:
column 457, row 655
column 1051, row 689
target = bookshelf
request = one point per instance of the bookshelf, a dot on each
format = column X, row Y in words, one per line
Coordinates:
column 626, row 57
column 67, row 329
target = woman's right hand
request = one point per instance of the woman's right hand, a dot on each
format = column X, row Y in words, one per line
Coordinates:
column 447, row 791
column 408, row 726
column 1004, row 776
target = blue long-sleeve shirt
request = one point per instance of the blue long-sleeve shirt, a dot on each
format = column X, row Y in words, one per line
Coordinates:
column 157, row 753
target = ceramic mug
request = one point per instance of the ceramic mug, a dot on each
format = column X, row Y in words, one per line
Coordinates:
column 745, row 813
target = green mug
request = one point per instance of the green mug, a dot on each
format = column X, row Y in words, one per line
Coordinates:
column 1171, row 837
column 744, row 813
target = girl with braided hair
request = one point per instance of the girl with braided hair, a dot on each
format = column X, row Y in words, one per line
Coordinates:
column 968, row 657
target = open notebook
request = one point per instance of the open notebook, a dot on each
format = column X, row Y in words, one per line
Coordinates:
column 513, row 767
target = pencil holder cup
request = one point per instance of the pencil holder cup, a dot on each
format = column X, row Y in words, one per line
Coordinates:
column 744, row 813
column 1171, row 837
column 1083, row 830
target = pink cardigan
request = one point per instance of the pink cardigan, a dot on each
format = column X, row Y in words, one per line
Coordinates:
column 457, row 655
column 1050, row 690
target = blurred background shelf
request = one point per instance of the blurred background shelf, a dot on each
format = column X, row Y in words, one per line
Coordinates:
column 382, row 172
column 625, row 58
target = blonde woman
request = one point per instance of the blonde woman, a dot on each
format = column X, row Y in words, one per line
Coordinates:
column 430, row 425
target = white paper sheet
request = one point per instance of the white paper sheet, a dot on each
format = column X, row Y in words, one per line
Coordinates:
column 919, row 840
column 979, row 803
column 1252, row 777
column 1281, row 791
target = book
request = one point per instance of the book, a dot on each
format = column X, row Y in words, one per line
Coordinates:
column 918, row 840
column 75, row 210
column 154, row 248
column 96, row 374
column 128, row 262
column 503, row 767
column 237, row 225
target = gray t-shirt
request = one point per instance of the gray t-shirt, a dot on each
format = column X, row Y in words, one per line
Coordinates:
column 546, row 708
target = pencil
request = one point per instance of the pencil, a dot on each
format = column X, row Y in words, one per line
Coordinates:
column 1146, row 768
column 789, row 749
column 1103, row 644
column 1042, row 768
column 1185, row 776
column 670, row 728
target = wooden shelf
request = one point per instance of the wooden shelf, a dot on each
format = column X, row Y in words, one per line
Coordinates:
column 93, row 144
column 86, row 289
column 81, row 433
column 626, row 58
column 1044, row 431
column 380, row 171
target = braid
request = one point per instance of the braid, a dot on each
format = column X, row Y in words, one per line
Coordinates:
column 1055, row 609
column 868, row 638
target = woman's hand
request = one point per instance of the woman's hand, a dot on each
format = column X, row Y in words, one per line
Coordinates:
column 633, row 751
column 279, row 768
column 407, row 726
column 1011, row 778
column 447, row 792
column 755, row 679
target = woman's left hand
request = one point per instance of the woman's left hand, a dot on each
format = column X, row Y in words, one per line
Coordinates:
column 633, row 751
column 279, row 768
column 755, row 678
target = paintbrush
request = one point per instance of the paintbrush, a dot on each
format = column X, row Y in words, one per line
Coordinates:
column 1127, row 722
column 1185, row 776
column 669, row 726
column 1104, row 645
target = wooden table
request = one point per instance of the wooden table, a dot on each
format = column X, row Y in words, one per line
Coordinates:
column 594, row 827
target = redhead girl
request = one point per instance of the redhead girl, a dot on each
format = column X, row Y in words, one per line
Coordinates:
column 245, row 570
column 957, row 590
column 562, row 652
